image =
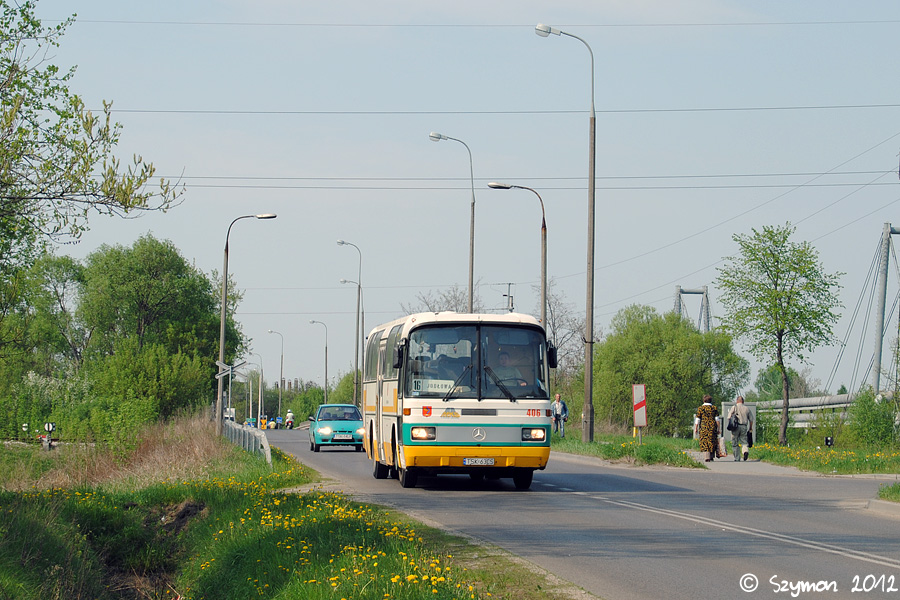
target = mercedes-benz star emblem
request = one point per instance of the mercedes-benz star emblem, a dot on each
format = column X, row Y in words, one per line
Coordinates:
column 479, row 434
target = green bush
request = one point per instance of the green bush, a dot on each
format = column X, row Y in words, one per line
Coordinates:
column 871, row 421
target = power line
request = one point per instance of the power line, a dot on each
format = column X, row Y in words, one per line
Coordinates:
column 608, row 187
column 696, row 109
column 564, row 178
column 430, row 184
column 484, row 26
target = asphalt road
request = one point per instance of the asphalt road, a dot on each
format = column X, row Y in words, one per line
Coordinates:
column 628, row 533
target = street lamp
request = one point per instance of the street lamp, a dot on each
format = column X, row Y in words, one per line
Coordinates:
column 587, row 429
column 506, row 186
column 224, row 300
column 361, row 323
column 280, row 381
column 436, row 137
column 313, row 322
column 358, row 326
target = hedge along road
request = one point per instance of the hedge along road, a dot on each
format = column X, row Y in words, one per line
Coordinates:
column 644, row 533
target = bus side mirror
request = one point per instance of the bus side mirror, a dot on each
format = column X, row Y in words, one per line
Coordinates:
column 551, row 356
column 398, row 357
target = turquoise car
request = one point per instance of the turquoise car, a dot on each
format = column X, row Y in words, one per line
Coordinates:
column 336, row 425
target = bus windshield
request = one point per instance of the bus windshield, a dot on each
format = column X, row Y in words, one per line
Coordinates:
column 476, row 361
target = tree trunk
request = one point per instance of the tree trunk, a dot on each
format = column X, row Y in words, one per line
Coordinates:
column 785, row 394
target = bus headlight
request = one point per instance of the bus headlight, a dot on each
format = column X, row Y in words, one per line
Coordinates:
column 422, row 433
column 533, row 434
column 324, row 430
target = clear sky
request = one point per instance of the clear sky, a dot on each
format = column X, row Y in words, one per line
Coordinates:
column 713, row 117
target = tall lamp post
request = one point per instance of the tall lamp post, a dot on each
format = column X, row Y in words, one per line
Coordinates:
column 587, row 429
column 313, row 322
column 224, row 300
column 506, row 186
column 281, row 380
column 358, row 325
column 436, row 137
column 361, row 322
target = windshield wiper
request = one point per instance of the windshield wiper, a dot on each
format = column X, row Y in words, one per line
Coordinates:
column 499, row 383
column 456, row 383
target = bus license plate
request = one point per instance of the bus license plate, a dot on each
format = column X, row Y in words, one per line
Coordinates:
column 478, row 462
column 343, row 436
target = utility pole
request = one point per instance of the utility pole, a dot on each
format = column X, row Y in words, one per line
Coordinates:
column 510, row 306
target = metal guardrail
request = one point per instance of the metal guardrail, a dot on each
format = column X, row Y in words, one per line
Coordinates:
column 250, row 439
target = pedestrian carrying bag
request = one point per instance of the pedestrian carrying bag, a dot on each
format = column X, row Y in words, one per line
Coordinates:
column 732, row 423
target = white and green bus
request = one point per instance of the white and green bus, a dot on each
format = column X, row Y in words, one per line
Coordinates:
column 458, row 393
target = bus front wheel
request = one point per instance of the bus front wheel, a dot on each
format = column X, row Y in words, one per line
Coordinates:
column 408, row 478
column 522, row 479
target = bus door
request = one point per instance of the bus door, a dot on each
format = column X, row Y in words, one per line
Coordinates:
column 379, row 402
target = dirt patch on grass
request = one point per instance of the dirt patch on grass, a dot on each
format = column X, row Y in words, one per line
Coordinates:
column 153, row 579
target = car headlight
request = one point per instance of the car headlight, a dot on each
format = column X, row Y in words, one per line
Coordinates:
column 361, row 431
column 533, row 435
column 324, row 430
column 422, row 433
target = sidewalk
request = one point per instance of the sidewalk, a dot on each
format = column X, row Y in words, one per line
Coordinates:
column 758, row 467
column 751, row 467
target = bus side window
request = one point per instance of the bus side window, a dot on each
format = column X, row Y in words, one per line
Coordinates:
column 394, row 351
column 371, row 365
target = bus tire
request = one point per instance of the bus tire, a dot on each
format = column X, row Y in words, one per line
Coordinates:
column 408, row 478
column 522, row 479
column 395, row 468
column 379, row 470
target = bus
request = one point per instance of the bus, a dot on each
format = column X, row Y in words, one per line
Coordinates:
column 458, row 393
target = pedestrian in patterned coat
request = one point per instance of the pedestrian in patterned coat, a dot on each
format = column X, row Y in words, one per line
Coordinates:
column 707, row 428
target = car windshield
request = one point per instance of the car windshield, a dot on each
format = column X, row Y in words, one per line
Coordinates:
column 339, row 413
column 486, row 361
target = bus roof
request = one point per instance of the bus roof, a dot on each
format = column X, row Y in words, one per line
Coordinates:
column 455, row 318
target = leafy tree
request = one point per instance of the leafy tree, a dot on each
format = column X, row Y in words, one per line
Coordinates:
column 769, row 384
column 778, row 297
column 151, row 294
column 56, row 283
column 56, row 157
column 676, row 362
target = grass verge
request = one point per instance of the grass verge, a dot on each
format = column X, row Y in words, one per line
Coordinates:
column 188, row 516
column 831, row 460
column 653, row 450
column 889, row 492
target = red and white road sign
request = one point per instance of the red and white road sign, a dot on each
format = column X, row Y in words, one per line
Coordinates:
column 639, row 397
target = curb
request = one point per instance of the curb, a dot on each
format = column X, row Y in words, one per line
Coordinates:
column 884, row 507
